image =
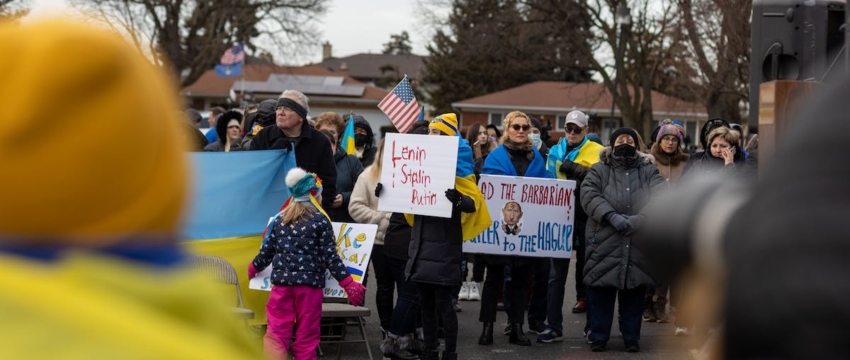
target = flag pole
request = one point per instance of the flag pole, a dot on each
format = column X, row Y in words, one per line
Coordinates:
column 242, row 84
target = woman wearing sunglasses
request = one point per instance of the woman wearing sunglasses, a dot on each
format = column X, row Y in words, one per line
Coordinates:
column 516, row 156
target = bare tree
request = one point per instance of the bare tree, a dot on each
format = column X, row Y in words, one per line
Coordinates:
column 191, row 35
column 13, row 9
column 717, row 37
column 646, row 47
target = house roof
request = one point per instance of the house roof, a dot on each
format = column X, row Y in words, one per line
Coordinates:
column 368, row 66
column 212, row 85
column 554, row 96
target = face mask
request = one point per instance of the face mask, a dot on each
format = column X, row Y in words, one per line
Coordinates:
column 625, row 150
column 360, row 140
column 535, row 139
column 493, row 139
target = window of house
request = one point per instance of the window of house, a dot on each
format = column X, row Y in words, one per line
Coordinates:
column 559, row 125
column 496, row 119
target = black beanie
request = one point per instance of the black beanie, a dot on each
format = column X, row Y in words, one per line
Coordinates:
column 623, row 131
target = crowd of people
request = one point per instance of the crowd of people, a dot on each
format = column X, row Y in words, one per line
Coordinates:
column 421, row 259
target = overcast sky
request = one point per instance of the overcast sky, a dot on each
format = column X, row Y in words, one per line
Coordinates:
column 351, row 26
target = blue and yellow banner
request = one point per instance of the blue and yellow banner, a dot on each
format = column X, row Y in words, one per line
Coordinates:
column 233, row 196
column 348, row 137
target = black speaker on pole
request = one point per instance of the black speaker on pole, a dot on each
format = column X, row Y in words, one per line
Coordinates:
column 795, row 40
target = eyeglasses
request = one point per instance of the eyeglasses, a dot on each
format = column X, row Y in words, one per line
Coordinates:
column 517, row 127
column 574, row 129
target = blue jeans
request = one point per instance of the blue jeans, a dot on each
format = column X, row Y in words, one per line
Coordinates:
column 555, row 297
column 405, row 316
column 600, row 300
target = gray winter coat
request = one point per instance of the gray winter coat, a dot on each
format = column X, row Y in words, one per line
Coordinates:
column 614, row 186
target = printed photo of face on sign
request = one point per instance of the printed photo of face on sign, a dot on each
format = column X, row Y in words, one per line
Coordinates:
column 511, row 216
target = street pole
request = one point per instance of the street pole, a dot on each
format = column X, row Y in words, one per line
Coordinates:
column 623, row 20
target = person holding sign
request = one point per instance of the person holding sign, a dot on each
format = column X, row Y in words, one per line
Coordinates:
column 436, row 246
column 302, row 245
column 517, row 156
column 570, row 159
column 613, row 194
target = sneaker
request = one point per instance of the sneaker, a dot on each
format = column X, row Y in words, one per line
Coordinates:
column 474, row 292
column 649, row 315
column 632, row 346
column 464, row 292
column 536, row 326
column 579, row 307
column 660, row 307
column 598, row 345
column 681, row 331
column 549, row 336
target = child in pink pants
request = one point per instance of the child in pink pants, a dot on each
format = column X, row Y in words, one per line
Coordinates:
column 301, row 245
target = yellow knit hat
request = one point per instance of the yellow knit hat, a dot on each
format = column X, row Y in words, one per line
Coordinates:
column 90, row 145
column 447, row 123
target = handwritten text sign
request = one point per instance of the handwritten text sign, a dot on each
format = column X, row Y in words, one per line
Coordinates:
column 532, row 217
column 353, row 244
column 416, row 172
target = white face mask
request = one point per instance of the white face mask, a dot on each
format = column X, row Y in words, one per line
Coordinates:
column 535, row 139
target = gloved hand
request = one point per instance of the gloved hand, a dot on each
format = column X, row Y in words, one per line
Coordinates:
column 378, row 189
column 355, row 290
column 252, row 271
column 568, row 167
column 620, row 223
column 454, row 196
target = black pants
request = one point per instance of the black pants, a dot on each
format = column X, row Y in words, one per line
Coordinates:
column 539, row 289
column 479, row 264
column 434, row 301
column 518, row 292
column 579, row 246
column 601, row 303
column 386, row 286
column 405, row 317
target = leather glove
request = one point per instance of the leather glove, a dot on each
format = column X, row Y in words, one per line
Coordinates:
column 355, row 290
column 568, row 167
column 454, row 196
column 252, row 271
column 620, row 223
column 378, row 189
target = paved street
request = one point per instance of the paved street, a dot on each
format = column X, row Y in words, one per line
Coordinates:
column 657, row 340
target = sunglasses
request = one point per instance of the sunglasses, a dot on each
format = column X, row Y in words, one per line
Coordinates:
column 517, row 127
column 574, row 129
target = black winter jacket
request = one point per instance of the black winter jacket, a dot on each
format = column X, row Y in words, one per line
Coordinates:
column 348, row 168
column 436, row 247
column 397, row 237
column 624, row 187
column 312, row 153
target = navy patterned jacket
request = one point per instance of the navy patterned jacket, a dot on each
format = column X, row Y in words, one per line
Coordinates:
column 301, row 252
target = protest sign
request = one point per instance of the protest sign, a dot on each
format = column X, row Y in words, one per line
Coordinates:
column 532, row 217
column 353, row 244
column 416, row 172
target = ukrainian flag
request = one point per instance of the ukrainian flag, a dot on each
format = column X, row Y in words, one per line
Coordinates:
column 348, row 137
column 233, row 196
column 355, row 273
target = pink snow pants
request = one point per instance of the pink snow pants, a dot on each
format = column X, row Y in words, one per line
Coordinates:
column 297, row 306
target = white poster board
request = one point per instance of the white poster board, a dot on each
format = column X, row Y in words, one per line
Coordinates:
column 353, row 244
column 416, row 171
column 531, row 217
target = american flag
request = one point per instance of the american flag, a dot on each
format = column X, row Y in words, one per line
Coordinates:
column 233, row 55
column 401, row 106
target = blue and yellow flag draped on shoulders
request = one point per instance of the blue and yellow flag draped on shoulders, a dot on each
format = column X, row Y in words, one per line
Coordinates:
column 233, row 196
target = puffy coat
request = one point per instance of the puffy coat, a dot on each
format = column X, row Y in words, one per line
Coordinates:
column 364, row 205
column 624, row 187
column 348, row 168
column 436, row 247
column 301, row 251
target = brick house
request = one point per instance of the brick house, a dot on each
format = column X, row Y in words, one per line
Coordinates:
column 551, row 101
